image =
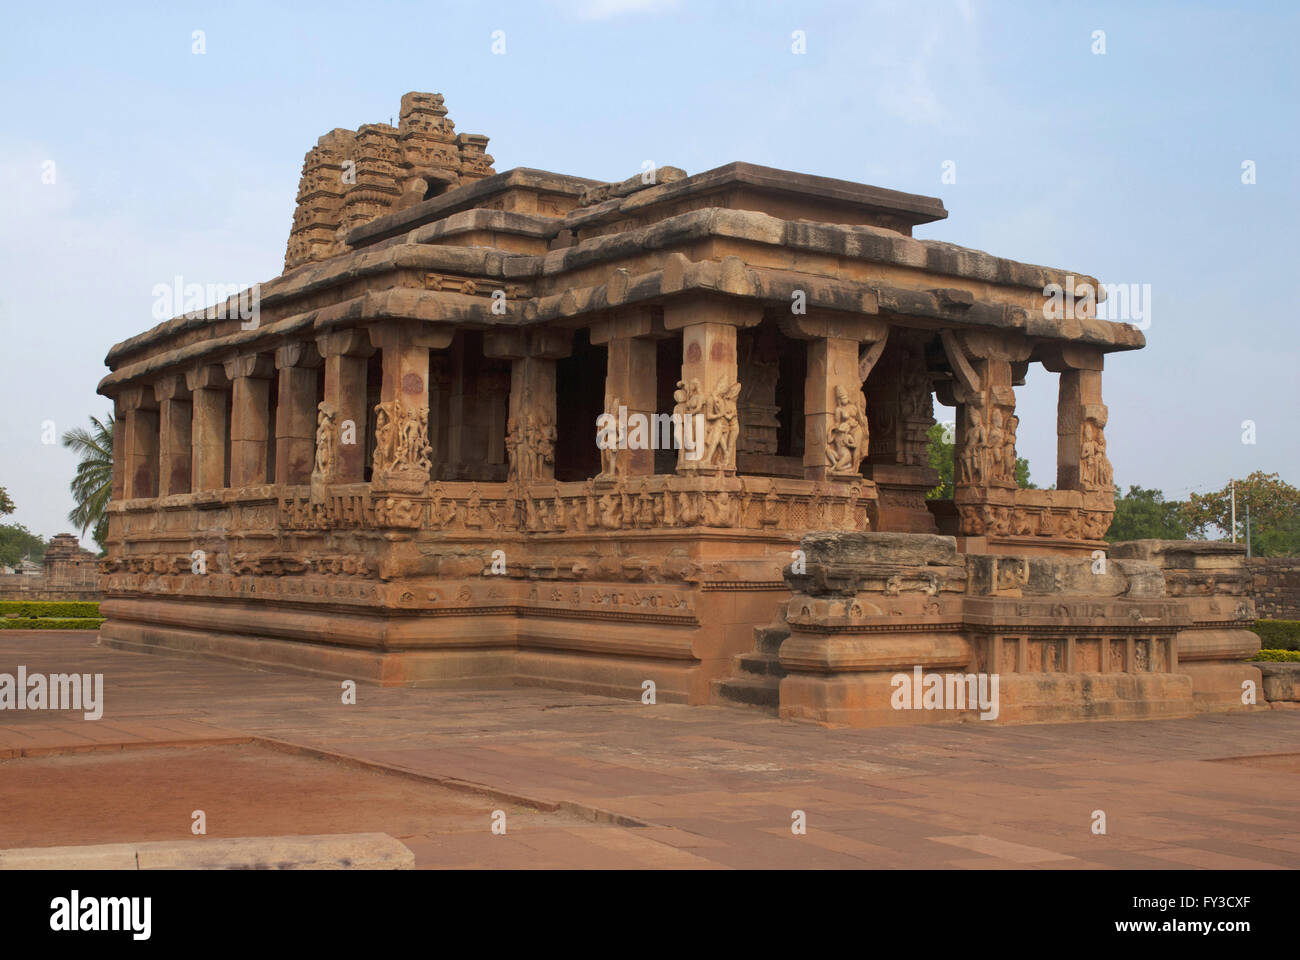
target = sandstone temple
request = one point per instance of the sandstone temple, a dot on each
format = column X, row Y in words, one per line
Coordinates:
column 391, row 473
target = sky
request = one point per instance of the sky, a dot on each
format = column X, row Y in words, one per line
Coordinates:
column 1111, row 139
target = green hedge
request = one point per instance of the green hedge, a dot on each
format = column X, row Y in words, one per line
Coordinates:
column 50, row 623
column 1278, row 634
column 48, row 608
column 1279, row 656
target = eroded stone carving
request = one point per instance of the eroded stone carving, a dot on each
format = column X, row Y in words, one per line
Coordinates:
column 401, row 439
column 846, row 440
column 722, row 427
column 326, row 443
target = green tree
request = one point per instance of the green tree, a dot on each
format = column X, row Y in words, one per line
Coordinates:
column 1274, row 512
column 17, row 542
column 941, row 459
column 1144, row 514
column 93, row 483
column 6, row 505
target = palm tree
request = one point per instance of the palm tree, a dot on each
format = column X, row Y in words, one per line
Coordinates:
column 93, row 484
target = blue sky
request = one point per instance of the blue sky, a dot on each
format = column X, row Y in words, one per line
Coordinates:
column 1125, row 165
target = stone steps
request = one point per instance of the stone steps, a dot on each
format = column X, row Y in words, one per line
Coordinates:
column 756, row 677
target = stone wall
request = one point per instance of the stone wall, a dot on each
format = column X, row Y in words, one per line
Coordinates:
column 1275, row 586
column 20, row 587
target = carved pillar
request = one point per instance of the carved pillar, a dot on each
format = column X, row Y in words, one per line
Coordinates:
column 530, row 428
column 175, row 429
column 345, row 353
column 141, row 430
column 836, row 435
column 1081, row 462
column 402, row 453
column 250, row 415
column 709, row 376
column 984, row 477
column 631, row 382
column 295, row 412
column 207, row 386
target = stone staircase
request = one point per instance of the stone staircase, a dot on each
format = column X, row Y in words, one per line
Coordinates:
column 756, row 677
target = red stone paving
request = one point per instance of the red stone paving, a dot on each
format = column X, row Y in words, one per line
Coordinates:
column 711, row 786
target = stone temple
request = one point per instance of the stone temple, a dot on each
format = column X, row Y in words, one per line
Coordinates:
column 389, row 471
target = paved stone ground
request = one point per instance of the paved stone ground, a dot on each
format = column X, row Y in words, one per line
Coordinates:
column 716, row 786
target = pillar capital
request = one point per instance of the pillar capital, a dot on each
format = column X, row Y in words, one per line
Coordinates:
column 137, row 397
column 518, row 343
column 209, row 376
column 681, row 312
column 409, row 333
column 1060, row 357
column 171, row 387
column 257, row 366
column 344, row 343
column 645, row 322
column 302, row 353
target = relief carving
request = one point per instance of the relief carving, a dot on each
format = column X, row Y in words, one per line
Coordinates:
column 401, row 439
column 847, row 437
column 326, row 443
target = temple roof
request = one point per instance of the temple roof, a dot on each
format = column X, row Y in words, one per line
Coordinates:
column 565, row 249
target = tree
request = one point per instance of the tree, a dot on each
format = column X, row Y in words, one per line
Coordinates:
column 1146, row 514
column 1274, row 509
column 17, row 542
column 93, row 483
column 6, row 505
column 941, row 459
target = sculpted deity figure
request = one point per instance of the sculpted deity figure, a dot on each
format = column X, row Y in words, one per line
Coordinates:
column 969, row 458
column 609, row 440
column 1105, row 478
column 687, row 401
column 1094, row 466
column 1009, row 448
column 545, row 449
column 993, row 449
column 722, row 426
column 326, row 442
column 1087, row 456
column 514, row 449
column 846, row 440
column 401, row 439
